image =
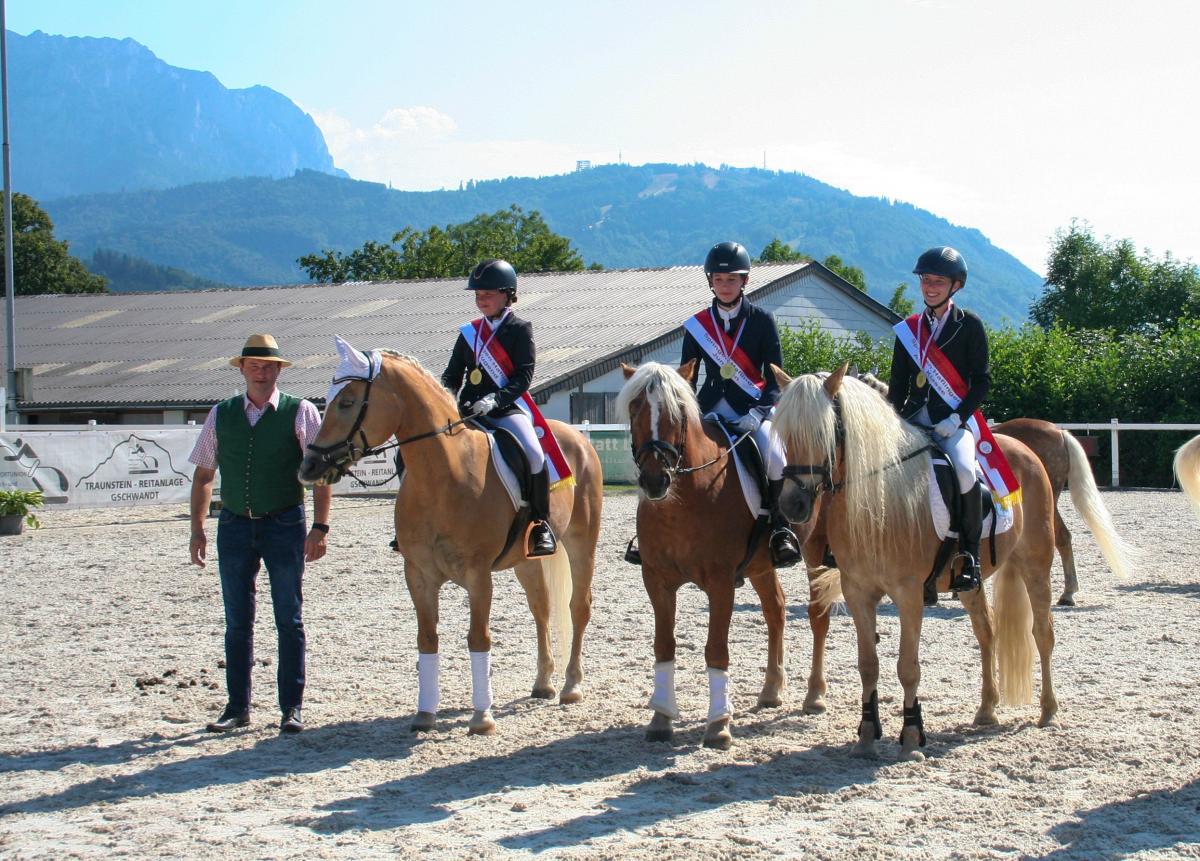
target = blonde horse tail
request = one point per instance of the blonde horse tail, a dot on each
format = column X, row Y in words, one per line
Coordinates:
column 825, row 586
column 557, row 570
column 1086, row 497
column 1187, row 470
column 1014, row 636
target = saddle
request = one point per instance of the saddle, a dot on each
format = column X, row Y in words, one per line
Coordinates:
column 947, row 488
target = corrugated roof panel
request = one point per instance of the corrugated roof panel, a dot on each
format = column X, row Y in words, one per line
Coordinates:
column 155, row 365
column 93, row 368
column 90, row 318
column 224, row 313
column 366, row 308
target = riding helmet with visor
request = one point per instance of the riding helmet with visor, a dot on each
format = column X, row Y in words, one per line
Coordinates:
column 727, row 257
column 493, row 275
column 945, row 261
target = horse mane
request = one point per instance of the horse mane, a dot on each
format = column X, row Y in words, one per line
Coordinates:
column 886, row 498
column 664, row 389
column 414, row 365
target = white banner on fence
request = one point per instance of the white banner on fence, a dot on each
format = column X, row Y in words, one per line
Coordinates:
column 99, row 468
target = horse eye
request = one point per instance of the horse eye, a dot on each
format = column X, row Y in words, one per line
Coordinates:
column 345, row 403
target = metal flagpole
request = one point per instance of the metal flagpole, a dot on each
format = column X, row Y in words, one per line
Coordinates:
column 10, row 304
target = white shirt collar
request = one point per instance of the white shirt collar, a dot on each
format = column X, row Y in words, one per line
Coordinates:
column 729, row 314
column 272, row 402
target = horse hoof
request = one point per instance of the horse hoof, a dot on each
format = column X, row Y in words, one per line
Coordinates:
column 910, row 755
column 660, row 728
column 1050, row 720
column 865, row 750
column 482, row 723
column 985, row 717
column 423, row 722
column 571, row 694
column 717, row 734
column 814, row 705
column 1066, row 601
column 546, row 692
column 769, row 701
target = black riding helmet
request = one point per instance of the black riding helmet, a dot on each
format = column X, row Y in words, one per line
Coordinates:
column 727, row 257
column 493, row 275
column 945, row 261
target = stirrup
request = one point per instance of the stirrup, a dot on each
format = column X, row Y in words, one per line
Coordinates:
column 969, row 577
column 785, row 548
column 632, row 555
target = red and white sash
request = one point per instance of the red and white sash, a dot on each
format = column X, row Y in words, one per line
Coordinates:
column 724, row 350
column 494, row 359
column 944, row 378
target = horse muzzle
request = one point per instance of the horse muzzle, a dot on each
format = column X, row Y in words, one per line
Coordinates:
column 321, row 468
column 654, row 485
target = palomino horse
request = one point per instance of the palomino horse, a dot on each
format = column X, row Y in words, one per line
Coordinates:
column 1187, row 470
column 452, row 519
column 850, row 454
column 693, row 526
column 1066, row 465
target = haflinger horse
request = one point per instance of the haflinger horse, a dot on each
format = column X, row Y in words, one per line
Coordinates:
column 1187, row 470
column 1067, row 466
column 453, row 517
column 850, row 456
column 693, row 526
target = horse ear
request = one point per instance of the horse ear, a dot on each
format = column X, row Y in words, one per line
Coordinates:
column 628, row 370
column 688, row 370
column 781, row 376
column 834, row 382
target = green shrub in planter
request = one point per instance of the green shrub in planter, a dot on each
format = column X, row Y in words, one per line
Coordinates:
column 20, row 503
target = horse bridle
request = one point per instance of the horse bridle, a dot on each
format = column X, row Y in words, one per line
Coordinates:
column 668, row 455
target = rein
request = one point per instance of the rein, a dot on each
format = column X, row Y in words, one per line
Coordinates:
column 671, row 457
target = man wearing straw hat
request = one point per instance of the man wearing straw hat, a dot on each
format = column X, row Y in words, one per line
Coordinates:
column 256, row 440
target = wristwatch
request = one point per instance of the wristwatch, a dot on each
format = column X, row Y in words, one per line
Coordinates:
column 321, row 527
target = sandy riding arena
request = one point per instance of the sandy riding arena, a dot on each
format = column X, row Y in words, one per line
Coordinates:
column 109, row 670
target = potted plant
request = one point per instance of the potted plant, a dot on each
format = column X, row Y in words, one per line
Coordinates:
column 16, row 510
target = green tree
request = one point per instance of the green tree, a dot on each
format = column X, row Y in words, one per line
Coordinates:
column 1106, row 284
column 808, row 348
column 523, row 239
column 851, row 273
column 900, row 303
column 780, row 252
column 41, row 263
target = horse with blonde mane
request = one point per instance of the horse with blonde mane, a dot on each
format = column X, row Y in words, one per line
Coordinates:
column 1187, row 470
column 850, row 456
column 453, row 522
column 693, row 526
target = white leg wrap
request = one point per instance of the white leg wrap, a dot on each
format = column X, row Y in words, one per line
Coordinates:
column 429, row 693
column 481, row 681
column 718, row 695
column 663, row 700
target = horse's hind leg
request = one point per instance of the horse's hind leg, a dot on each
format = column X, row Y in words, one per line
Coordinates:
column 976, row 605
column 770, row 594
column 582, row 554
column 1062, row 540
column 1037, row 584
column 530, row 576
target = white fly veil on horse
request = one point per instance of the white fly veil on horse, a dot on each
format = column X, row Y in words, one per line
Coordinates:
column 353, row 365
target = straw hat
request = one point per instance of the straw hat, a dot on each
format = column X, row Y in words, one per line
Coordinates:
column 260, row 347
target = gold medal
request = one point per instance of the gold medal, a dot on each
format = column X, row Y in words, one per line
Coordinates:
column 476, row 377
column 921, row 379
column 727, row 371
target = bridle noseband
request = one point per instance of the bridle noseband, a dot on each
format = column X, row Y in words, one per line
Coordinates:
column 670, row 457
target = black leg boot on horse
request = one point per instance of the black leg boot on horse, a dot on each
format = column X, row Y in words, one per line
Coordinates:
column 541, row 541
column 785, row 547
column 967, row 577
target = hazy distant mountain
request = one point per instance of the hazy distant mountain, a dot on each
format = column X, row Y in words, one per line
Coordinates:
column 128, row 274
column 89, row 115
column 250, row 231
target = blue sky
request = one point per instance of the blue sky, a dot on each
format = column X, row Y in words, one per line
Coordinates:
column 1013, row 117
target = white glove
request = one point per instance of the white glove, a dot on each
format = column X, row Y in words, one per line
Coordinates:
column 749, row 423
column 947, row 426
column 484, row 405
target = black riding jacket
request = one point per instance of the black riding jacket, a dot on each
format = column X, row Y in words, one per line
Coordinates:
column 964, row 342
column 516, row 337
column 759, row 341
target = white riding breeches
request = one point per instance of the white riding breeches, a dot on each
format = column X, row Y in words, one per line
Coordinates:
column 959, row 447
column 769, row 445
column 522, row 429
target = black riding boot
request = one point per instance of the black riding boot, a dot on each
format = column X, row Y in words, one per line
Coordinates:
column 968, row 576
column 785, row 548
column 541, row 537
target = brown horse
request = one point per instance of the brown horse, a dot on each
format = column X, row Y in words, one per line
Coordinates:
column 693, row 526
column 1187, row 470
column 1066, row 465
column 856, row 461
column 453, row 517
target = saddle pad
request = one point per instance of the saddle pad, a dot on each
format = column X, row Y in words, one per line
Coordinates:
column 750, row 490
column 507, row 477
column 941, row 514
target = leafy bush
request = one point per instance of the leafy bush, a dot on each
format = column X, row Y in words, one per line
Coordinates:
column 19, row 502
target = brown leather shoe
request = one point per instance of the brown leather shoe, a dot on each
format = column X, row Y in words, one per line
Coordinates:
column 230, row 719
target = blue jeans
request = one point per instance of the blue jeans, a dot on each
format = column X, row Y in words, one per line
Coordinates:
column 242, row 546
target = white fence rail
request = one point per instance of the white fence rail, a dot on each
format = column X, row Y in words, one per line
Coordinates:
column 82, row 466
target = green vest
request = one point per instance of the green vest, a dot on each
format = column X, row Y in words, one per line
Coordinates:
column 258, row 464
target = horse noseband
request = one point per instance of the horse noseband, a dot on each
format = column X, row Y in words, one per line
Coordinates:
column 825, row 485
column 665, row 453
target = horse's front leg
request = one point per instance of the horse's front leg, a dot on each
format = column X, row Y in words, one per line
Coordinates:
column 716, row 657
column 770, row 595
column 424, row 589
column 862, row 602
column 479, row 642
column 910, row 606
column 662, row 701
column 818, row 621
